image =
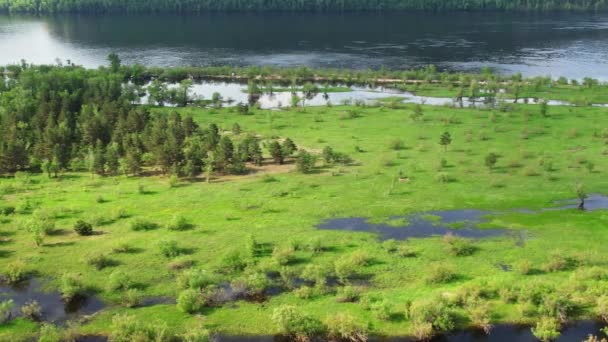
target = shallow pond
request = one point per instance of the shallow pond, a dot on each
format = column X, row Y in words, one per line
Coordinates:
column 54, row 309
column 234, row 93
column 433, row 223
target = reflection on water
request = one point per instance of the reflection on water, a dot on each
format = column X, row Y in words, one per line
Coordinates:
column 54, row 309
column 571, row 45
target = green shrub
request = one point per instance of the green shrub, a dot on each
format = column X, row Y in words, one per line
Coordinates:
column 122, row 247
column 382, row 310
column 15, row 272
column 435, row 312
column 283, row 255
column 119, row 280
column 602, row 307
column 190, row 301
column 546, row 329
column 83, row 228
column 195, row 278
column 305, row 162
column 70, row 287
column 556, row 305
column 99, row 261
column 524, row 267
column 49, row 333
column 348, row 294
column 7, row 210
column 139, row 225
column 179, row 223
column 31, row 310
column 233, row 261
column 197, row 334
column 6, row 307
column 169, row 248
column 396, row 144
column 346, row 268
column 344, row 327
column 458, row 246
column 131, row 298
column 126, row 328
column 439, row 273
column 293, row 323
column 254, row 284
column 390, row 245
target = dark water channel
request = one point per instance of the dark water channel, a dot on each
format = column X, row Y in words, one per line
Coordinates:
column 53, row 307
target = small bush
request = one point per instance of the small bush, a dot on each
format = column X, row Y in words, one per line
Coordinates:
column 397, row 144
column 7, row 210
column 439, row 273
column 434, row 312
column 197, row 334
column 15, row 272
column 70, row 287
column 458, row 246
column 119, row 280
column 190, row 301
column 31, row 310
column 233, row 261
column 179, row 223
column 348, row 294
column 126, row 328
column 169, row 248
column 547, row 329
column 524, row 267
column 283, row 255
column 293, row 323
column 83, row 228
column 139, row 225
column 99, row 261
column 49, row 333
column 195, row 278
column 382, row 310
column 6, row 307
column 131, row 298
column 344, row 327
column 122, row 247
column 602, row 307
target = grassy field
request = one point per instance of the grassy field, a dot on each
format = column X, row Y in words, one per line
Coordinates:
column 541, row 160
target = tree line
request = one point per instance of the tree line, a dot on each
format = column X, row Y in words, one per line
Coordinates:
column 197, row 6
column 69, row 118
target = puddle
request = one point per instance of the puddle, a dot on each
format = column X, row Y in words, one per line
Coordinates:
column 54, row 309
column 151, row 301
column 420, row 225
column 593, row 202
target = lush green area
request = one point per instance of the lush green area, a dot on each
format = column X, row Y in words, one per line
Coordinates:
column 157, row 235
column 196, row 6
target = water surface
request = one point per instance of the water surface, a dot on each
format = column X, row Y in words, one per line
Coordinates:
column 572, row 45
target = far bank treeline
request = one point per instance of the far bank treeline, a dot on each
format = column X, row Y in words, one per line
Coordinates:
column 197, row 6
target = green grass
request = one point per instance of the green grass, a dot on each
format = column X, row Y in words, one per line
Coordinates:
column 225, row 212
column 569, row 93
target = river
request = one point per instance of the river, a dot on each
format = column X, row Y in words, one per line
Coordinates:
column 571, row 45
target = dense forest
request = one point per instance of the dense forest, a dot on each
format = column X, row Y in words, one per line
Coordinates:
column 54, row 119
column 195, row 6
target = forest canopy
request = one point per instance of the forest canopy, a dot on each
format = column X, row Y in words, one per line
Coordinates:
column 197, row 6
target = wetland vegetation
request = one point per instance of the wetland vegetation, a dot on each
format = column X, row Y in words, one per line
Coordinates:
column 182, row 222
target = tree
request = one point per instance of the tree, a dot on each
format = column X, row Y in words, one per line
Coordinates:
column 276, row 152
column 114, row 62
column 289, row 147
column 224, row 155
column 491, row 159
column 416, row 113
column 305, row 162
column 112, row 159
column 445, row 140
column 236, row 129
column 544, row 108
column 581, row 194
